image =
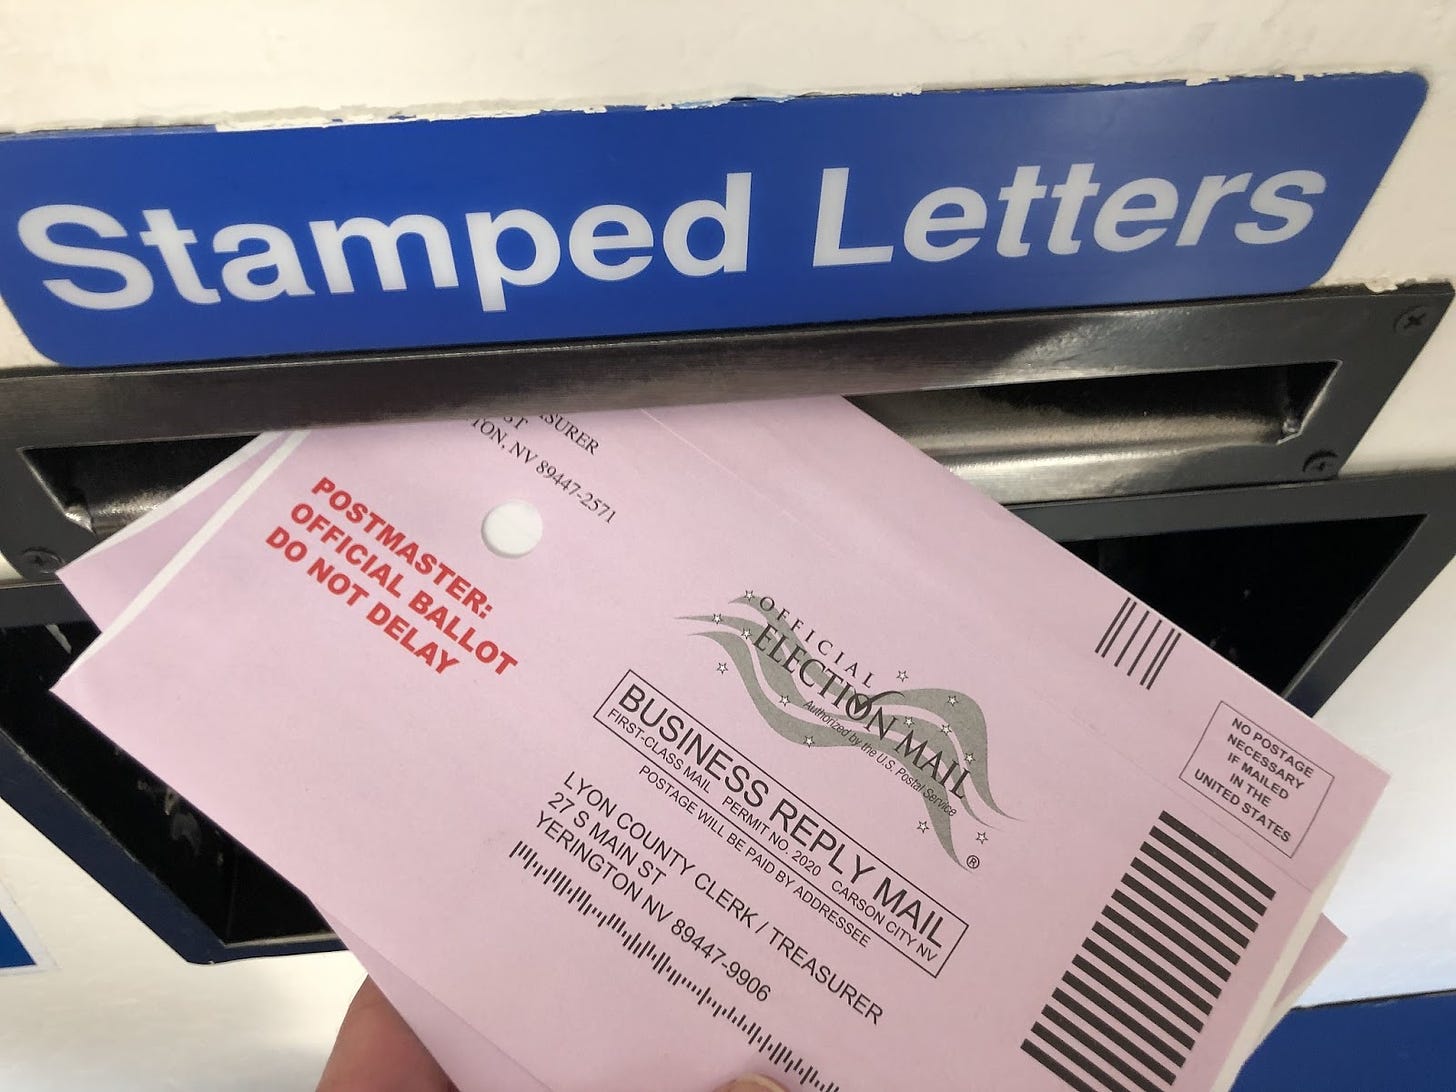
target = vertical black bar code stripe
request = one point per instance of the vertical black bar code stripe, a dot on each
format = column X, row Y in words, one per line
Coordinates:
column 1071, row 1079
column 1091, row 1043
column 1147, row 672
column 1129, row 1019
column 1131, row 999
column 1158, row 668
column 1166, row 954
column 1157, row 625
column 1132, row 637
column 1218, row 855
column 1152, row 967
column 1107, row 1031
column 1208, row 893
column 1153, row 661
column 1110, row 633
column 1191, row 901
column 1177, row 936
column 1152, row 898
column 1127, row 1012
column 1231, row 886
column 1063, row 1047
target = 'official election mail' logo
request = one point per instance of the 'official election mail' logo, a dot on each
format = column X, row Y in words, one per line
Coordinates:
column 934, row 740
column 145, row 246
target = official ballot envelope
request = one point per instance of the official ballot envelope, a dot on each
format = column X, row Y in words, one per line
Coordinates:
column 707, row 784
column 111, row 575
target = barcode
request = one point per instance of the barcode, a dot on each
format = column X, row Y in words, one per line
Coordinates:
column 1129, row 1009
column 1132, row 639
column 579, row 898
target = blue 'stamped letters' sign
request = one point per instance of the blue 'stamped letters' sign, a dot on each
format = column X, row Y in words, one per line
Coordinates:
column 144, row 246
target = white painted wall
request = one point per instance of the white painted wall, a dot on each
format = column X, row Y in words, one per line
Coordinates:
column 122, row 1013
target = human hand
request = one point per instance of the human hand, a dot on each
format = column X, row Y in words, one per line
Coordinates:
column 377, row 1052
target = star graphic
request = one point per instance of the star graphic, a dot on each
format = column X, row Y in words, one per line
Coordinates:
column 748, row 594
column 970, row 756
column 744, row 634
column 909, row 720
column 808, row 741
column 902, row 675
column 722, row 668
column 952, row 699
column 922, row 826
column 946, row 729
column 717, row 618
column 784, row 702
column 981, row 837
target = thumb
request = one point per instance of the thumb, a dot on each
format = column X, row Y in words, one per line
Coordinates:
column 752, row 1084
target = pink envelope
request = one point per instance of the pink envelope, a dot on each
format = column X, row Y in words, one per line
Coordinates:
column 109, row 577
column 106, row 579
column 1049, row 710
column 1324, row 942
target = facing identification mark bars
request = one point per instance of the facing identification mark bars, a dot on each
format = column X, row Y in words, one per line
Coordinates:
column 152, row 246
column 1111, row 640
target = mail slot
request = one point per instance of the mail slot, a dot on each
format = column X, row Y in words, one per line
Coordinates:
column 1017, row 441
column 1094, row 437
column 1190, row 451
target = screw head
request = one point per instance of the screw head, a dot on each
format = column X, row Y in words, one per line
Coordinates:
column 38, row 557
column 1321, row 462
column 1413, row 322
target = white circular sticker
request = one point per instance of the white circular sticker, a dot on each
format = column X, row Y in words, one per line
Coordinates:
column 512, row 529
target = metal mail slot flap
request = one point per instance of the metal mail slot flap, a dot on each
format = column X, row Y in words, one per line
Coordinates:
column 1121, row 400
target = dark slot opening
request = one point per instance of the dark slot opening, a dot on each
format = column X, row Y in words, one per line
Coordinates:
column 1229, row 405
column 1264, row 598
column 234, row 894
column 1083, row 437
column 103, row 487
